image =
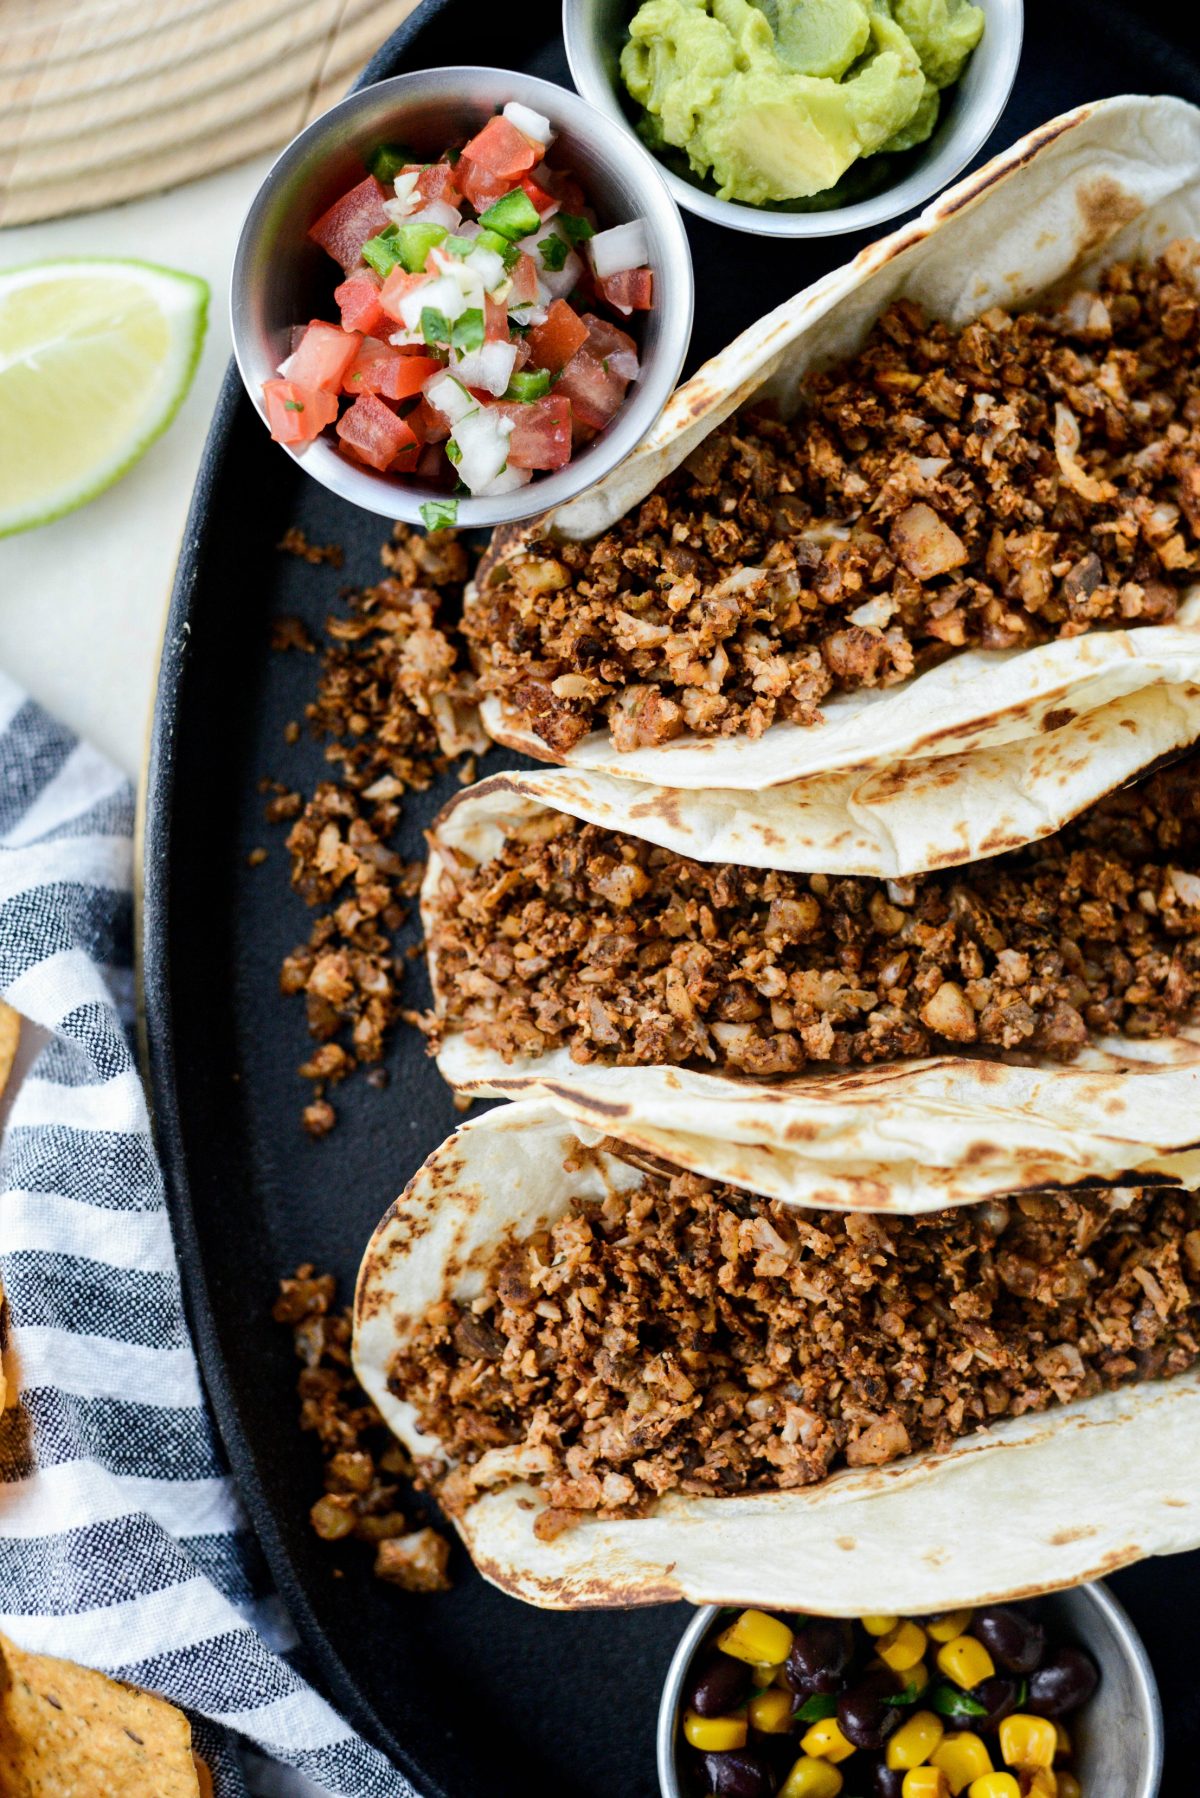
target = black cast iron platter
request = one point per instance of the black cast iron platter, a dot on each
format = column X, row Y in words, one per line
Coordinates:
column 471, row 1693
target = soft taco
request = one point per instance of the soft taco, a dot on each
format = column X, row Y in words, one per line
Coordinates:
column 894, row 1042
column 630, row 1384
column 903, row 514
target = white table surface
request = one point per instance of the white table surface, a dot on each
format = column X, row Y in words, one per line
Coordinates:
column 82, row 600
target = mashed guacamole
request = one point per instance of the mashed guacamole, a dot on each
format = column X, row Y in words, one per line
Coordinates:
column 776, row 99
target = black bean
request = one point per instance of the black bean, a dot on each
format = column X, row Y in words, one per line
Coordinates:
column 1062, row 1683
column 820, row 1655
column 864, row 1715
column 1011, row 1637
column 740, row 1773
column 999, row 1696
column 719, row 1684
column 889, row 1781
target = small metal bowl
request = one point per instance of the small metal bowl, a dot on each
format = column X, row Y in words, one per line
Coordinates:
column 1118, row 1736
column 280, row 278
column 596, row 30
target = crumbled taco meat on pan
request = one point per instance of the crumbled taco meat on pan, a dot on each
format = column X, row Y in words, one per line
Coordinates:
column 394, row 705
column 582, row 938
column 360, row 1457
column 692, row 1337
column 1027, row 477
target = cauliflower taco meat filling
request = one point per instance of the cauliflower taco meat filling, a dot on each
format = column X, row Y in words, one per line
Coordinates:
column 580, row 938
column 693, row 1337
column 1027, row 477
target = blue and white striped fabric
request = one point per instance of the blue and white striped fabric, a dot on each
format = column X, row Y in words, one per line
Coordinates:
column 121, row 1542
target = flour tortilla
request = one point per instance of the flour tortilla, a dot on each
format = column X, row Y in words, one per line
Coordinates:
column 1036, row 1503
column 1117, row 178
column 906, row 1137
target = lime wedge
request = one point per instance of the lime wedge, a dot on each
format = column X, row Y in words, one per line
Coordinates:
column 95, row 358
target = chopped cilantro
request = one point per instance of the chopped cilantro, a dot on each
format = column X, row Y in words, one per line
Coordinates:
column 440, row 514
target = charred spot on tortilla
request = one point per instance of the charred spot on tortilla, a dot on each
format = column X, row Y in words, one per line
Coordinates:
column 579, row 939
column 678, row 1335
column 1029, row 476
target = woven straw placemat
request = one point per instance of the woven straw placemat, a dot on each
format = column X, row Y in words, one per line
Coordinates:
column 102, row 100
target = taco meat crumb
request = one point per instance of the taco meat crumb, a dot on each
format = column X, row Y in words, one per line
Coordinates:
column 686, row 1336
column 585, row 939
column 1026, row 477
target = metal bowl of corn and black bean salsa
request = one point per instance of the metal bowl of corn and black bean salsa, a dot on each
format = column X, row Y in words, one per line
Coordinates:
column 1049, row 1699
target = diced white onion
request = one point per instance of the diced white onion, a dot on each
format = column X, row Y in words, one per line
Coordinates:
column 507, row 481
column 482, row 439
column 531, row 123
column 437, row 212
column 407, row 198
column 285, row 367
column 625, row 364
column 442, row 293
column 527, row 315
column 621, row 247
column 489, row 367
column 449, row 397
column 488, row 265
column 553, row 284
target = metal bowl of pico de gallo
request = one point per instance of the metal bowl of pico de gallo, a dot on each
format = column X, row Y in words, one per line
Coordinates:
column 461, row 296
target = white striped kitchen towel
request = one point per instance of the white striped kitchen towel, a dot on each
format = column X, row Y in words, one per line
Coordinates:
column 121, row 1542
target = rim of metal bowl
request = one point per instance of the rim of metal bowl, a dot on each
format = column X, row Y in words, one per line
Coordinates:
column 1095, row 1593
column 924, row 183
column 613, row 146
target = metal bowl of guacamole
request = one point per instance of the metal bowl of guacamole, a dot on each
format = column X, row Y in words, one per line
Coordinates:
column 800, row 118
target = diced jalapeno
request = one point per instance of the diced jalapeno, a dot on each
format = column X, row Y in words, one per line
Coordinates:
column 513, row 217
column 528, row 384
column 414, row 242
column 386, row 162
column 383, row 251
column 493, row 240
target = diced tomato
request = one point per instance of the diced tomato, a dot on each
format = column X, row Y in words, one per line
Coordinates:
column 480, row 185
column 434, row 466
column 544, row 201
column 380, row 368
column 297, row 414
column 553, row 344
column 358, row 301
column 541, row 436
column 345, row 228
column 566, row 190
column 503, row 150
column 435, row 181
column 322, row 356
column 629, row 290
column 524, row 282
column 427, row 424
column 594, row 392
column 374, row 433
column 406, row 462
column 495, row 319
column 606, row 339
column 398, row 283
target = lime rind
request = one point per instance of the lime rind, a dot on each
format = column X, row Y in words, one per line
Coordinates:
column 182, row 300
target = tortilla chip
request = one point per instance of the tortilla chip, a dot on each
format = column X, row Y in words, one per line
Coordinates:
column 10, row 1036
column 69, row 1732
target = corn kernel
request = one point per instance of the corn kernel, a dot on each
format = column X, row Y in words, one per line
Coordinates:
column 879, row 1626
column 915, row 1741
column 902, row 1647
column 1027, row 1741
column 994, row 1785
column 924, row 1782
column 966, row 1661
column 810, row 1778
column 918, row 1676
column 1069, row 1786
column 762, row 1677
column 825, row 1741
column 713, row 1735
column 949, row 1625
column 771, row 1711
column 1041, row 1783
column 962, row 1756
column 757, row 1638
column 1062, row 1741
